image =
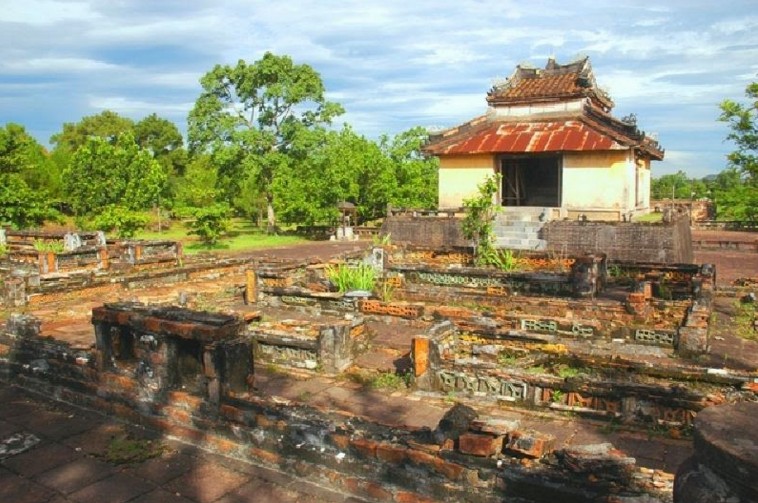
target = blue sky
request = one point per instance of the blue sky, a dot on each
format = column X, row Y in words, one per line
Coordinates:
column 391, row 64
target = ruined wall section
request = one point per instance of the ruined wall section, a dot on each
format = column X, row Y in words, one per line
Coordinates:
column 432, row 232
column 669, row 243
column 664, row 243
column 466, row 458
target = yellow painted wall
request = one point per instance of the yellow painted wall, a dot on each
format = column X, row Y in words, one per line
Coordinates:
column 460, row 175
column 598, row 180
column 591, row 180
column 644, row 175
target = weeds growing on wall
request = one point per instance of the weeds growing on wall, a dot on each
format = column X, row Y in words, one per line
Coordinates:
column 478, row 226
column 352, row 277
column 48, row 246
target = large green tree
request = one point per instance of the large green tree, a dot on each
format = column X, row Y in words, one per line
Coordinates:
column 741, row 202
column 257, row 119
column 344, row 167
column 26, row 176
column 163, row 140
column 416, row 174
column 678, row 185
column 108, row 125
column 102, row 173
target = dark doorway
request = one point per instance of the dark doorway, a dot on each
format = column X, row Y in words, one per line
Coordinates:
column 531, row 180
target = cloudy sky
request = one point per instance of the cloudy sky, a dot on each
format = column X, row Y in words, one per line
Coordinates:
column 392, row 64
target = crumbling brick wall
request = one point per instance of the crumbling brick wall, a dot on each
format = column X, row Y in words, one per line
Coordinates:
column 433, row 232
column 668, row 243
column 626, row 241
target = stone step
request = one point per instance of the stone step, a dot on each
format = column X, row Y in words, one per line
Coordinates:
column 516, row 235
column 520, row 215
column 532, row 227
column 521, row 244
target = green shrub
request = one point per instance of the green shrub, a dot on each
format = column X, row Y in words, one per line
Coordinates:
column 124, row 222
column 48, row 246
column 352, row 277
column 210, row 223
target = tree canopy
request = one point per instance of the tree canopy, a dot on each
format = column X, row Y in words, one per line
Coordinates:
column 257, row 119
column 742, row 119
column 120, row 173
column 24, row 166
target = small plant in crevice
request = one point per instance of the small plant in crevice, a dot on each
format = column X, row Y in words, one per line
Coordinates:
column 557, row 396
column 744, row 319
column 125, row 450
column 477, row 225
column 48, row 246
column 351, row 277
column 385, row 290
column 506, row 359
column 390, row 381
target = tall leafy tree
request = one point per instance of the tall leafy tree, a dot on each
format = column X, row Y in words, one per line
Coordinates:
column 197, row 188
column 678, row 185
column 742, row 119
column 26, row 177
column 258, row 118
column 107, row 125
column 120, row 173
column 416, row 174
column 163, row 140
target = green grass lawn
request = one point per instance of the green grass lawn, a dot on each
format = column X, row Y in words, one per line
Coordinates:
column 241, row 236
column 650, row 218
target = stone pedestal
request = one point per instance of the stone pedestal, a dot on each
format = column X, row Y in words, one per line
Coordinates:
column 725, row 464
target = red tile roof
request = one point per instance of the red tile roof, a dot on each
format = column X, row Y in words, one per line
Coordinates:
column 577, row 134
column 553, row 83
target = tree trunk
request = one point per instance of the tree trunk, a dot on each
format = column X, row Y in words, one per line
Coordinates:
column 270, row 216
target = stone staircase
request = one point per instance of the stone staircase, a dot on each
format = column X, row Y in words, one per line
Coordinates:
column 518, row 228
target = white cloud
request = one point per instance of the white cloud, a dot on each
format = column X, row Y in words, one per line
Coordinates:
column 392, row 64
column 128, row 106
column 57, row 65
column 45, row 12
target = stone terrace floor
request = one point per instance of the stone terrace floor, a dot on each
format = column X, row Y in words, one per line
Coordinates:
column 70, row 321
column 70, row 463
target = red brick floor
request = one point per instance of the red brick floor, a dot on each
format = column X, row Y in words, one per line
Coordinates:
column 69, row 464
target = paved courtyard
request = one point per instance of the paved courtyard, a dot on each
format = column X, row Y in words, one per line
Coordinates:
column 70, row 457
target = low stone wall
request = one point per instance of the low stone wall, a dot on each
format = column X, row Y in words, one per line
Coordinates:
column 21, row 286
column 668, row 243
column 141, row 254
column 440, row 364
column 725, row 464
column 465, row 458
column 431, row 231
column 627, row 241
column 330, row 347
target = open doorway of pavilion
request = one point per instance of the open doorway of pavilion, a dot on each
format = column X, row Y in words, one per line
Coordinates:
column 533, row 180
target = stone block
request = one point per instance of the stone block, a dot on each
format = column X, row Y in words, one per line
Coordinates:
column 692, row 341
column 391, row 453
column 420, row 355
column 365, row 447
column 530, row 444
column 599, row 460
column 455, row 422
column 480, row 444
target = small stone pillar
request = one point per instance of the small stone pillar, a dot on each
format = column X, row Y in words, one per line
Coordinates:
column 102, row 254
column 23, row 325
column 251, row 287
column 724, row 467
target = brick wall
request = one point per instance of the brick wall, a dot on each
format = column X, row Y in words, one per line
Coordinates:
column 466, row 458
column 432, row 232
column 666, row 243
column 663, row 243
